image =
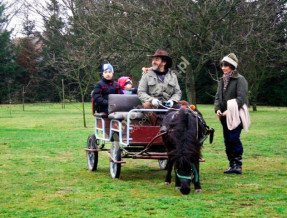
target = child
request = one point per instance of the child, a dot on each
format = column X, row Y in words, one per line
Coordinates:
column 145, row 69
column 126, row 84
column 105, row 87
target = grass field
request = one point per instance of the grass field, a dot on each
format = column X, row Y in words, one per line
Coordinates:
column 43, row 170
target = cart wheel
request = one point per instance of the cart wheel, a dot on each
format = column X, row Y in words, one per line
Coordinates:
column 92, row 157
column 115, row 169
column 163, row 164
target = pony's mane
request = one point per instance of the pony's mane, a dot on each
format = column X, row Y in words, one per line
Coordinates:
column 183, row 133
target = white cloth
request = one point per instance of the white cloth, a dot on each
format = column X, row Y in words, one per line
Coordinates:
column 235, row 117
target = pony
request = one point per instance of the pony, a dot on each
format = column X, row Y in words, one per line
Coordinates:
column 185, row 133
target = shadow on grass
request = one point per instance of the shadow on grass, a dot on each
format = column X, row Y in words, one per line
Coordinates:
column 133, row 173
column 140, row 174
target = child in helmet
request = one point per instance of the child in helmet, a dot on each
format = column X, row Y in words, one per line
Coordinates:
column 105, row 87
column 126, row 85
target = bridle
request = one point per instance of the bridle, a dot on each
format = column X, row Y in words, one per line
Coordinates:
column 194, row 174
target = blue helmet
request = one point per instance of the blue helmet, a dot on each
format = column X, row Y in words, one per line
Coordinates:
column 107, row 66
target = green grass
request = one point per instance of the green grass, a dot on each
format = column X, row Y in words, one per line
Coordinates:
column 43, row 170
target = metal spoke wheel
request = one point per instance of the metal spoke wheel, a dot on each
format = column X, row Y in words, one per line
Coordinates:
column 92, row 157
column 115, row 168
column 162, row 164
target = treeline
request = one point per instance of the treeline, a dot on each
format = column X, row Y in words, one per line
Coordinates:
column 80, row 35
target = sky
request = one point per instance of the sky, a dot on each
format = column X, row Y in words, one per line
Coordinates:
column 17, row 19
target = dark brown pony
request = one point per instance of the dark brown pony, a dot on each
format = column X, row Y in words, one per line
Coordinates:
column 186, row 131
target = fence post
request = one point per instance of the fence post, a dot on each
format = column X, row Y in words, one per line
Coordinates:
column 63, row 92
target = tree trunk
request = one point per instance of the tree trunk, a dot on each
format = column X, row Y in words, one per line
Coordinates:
column 84, row 114
column 23, row 98
column 63, row 94
column 193, row 90
column 190, row 86
column 254, row 106
column 10, row 100
column 254, row 96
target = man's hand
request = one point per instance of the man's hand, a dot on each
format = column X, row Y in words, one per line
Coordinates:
column 169, row 103
column 155, row 102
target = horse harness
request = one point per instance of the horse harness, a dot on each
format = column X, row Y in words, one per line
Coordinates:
column 209, row 131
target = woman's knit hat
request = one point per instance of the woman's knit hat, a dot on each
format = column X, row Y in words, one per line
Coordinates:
column 231, row 59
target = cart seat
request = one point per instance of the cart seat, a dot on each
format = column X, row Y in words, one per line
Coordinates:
column 102, row 114
column 124, row 115
column 120, row 105
column 123, row 103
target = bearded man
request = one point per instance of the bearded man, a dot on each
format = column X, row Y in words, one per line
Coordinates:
column 159, row 85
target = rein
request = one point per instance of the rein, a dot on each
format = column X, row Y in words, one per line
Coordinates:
column 149, row 144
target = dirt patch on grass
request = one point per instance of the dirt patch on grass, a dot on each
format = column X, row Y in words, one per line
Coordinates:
column 63, row 191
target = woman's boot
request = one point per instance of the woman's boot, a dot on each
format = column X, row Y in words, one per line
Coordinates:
column 231, row 164
column 238, row 164
column 235, row 165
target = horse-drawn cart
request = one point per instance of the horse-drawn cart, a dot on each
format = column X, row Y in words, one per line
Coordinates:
column 128, row 129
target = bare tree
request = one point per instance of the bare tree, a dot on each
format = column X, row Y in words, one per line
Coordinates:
column 200, row 31
column 72, row 49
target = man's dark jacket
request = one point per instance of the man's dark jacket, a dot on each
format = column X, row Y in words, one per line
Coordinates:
column 101, row 93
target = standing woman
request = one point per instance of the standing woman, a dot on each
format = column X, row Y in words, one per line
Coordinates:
column 231, row 86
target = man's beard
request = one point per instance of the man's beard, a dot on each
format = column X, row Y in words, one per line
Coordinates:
column 156, row 67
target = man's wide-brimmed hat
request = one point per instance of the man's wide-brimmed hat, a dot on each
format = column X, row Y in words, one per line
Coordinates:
column 164, row 55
